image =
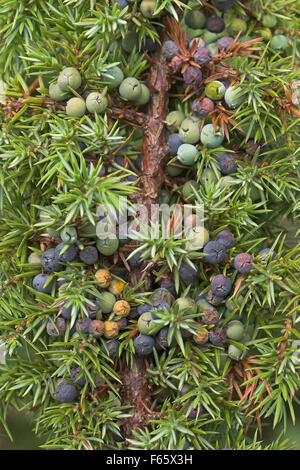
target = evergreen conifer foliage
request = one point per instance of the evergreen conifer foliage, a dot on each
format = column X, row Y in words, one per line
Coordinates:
column 86, row 93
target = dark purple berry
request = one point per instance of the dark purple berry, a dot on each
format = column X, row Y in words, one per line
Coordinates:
column 122, row 323
column 251, row 147
column 168, row 284
column 66, row 311
column 203, row 107
column 217, row 336
column 225, row 42
column 266, row 252
column 210, row 316
column 122, row 3
column 202, row 56
column 143, row 309
column 89, row 255
column 243, row 263
column 92, row 309
column 174, row 143
column 187, row 274
column 224, row 6
column 136, row 260
column 226, row 237
column 56, row 329
column 143, row 344
column 69, row 255
column 215, row 252
column 213, row 298
column 112, row 347
column 221, row 285
column 162, row 338
column 39, row 282
column 169, row 48
column 192, row 76
column 74, row 373
column 215, row 24
column 50, row 261
column 138, row 162
column 227, row 163
column 148, row 44
column 65, row 392
column 176, row 64
column 83, row 324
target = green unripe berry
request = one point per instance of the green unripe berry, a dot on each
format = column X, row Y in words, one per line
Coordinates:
column 96, row 102
column 130, row 89
column 238, row 25
column 234, row 352
column 145, row 95
column 106, row 302
column 115, row 78
column 174, row 119
column 145, row 323
column 208, row 174
column 69, row 77
column 266, row 34
column 174, row 170
column 279, row 42
column 34, row 258
column 232, row 305
column 210, row 138
column 210, row 37
column 187, row 154
column 56, row 93
column 187, row 304
column 75, row 107
column 187, row 190
column 212, row 47
column 164, row 197
column 194, row 19
column 215, row 90
column 107, row 246
column 234, row 96
column 189, row 131
column 235, row 330
column 68, row 235
column 197, row 239
column 227, row 182
column 202, row 305
column 269, row 21
column 130, row 41
column 147, row 8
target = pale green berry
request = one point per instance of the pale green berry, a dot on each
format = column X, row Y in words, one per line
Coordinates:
column 130, row 89
column 189, row 131
column 234, row 352
column 96, row 102
column 114, row 77
column 69, row 77
column 198, row 237
column 187, row 154
column 145, row 95
column 235, row 330
column 234, row 96
column 56, row 93
column 75, row 107
column 147, row 8
column 174, row 119
column 279, row 42
column 211, row 138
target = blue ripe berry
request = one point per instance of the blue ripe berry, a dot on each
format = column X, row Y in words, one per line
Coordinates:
column 215, row 252
column 65, row 392
column 148, row 44
column 39, row 282
column 224, row 6
column 112, row 347
column 159, row 305
column 144, row 344
column 221, row 285
column 192, row 76
column 203, row 107
column 74, row 373
column 162, row 338
column 135, row 260
column 50, row 261
column 225, row 42
column 174, row 143
column 176, row 64
column 89, row 255
column 143, row 309
column 169, row 48
column 202, row 56
column 122, row 3
column 217, row 336
column 215, row 24
column 58, row 329
column 187, row 274
column 69, row 255
column 226, row 237
column 227, row 163
column 66, row 311
column 93, row 309
column 243, row 263
column 266, row 254
column 214, row 299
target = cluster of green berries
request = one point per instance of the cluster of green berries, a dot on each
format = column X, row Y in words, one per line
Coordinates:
column 70, row 79
column 131, row 89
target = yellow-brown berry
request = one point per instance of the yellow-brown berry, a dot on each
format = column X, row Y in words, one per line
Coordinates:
column 111, row 329
column 103, row 277
column 116, row 287
column 201, row 336
column 121, row 308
